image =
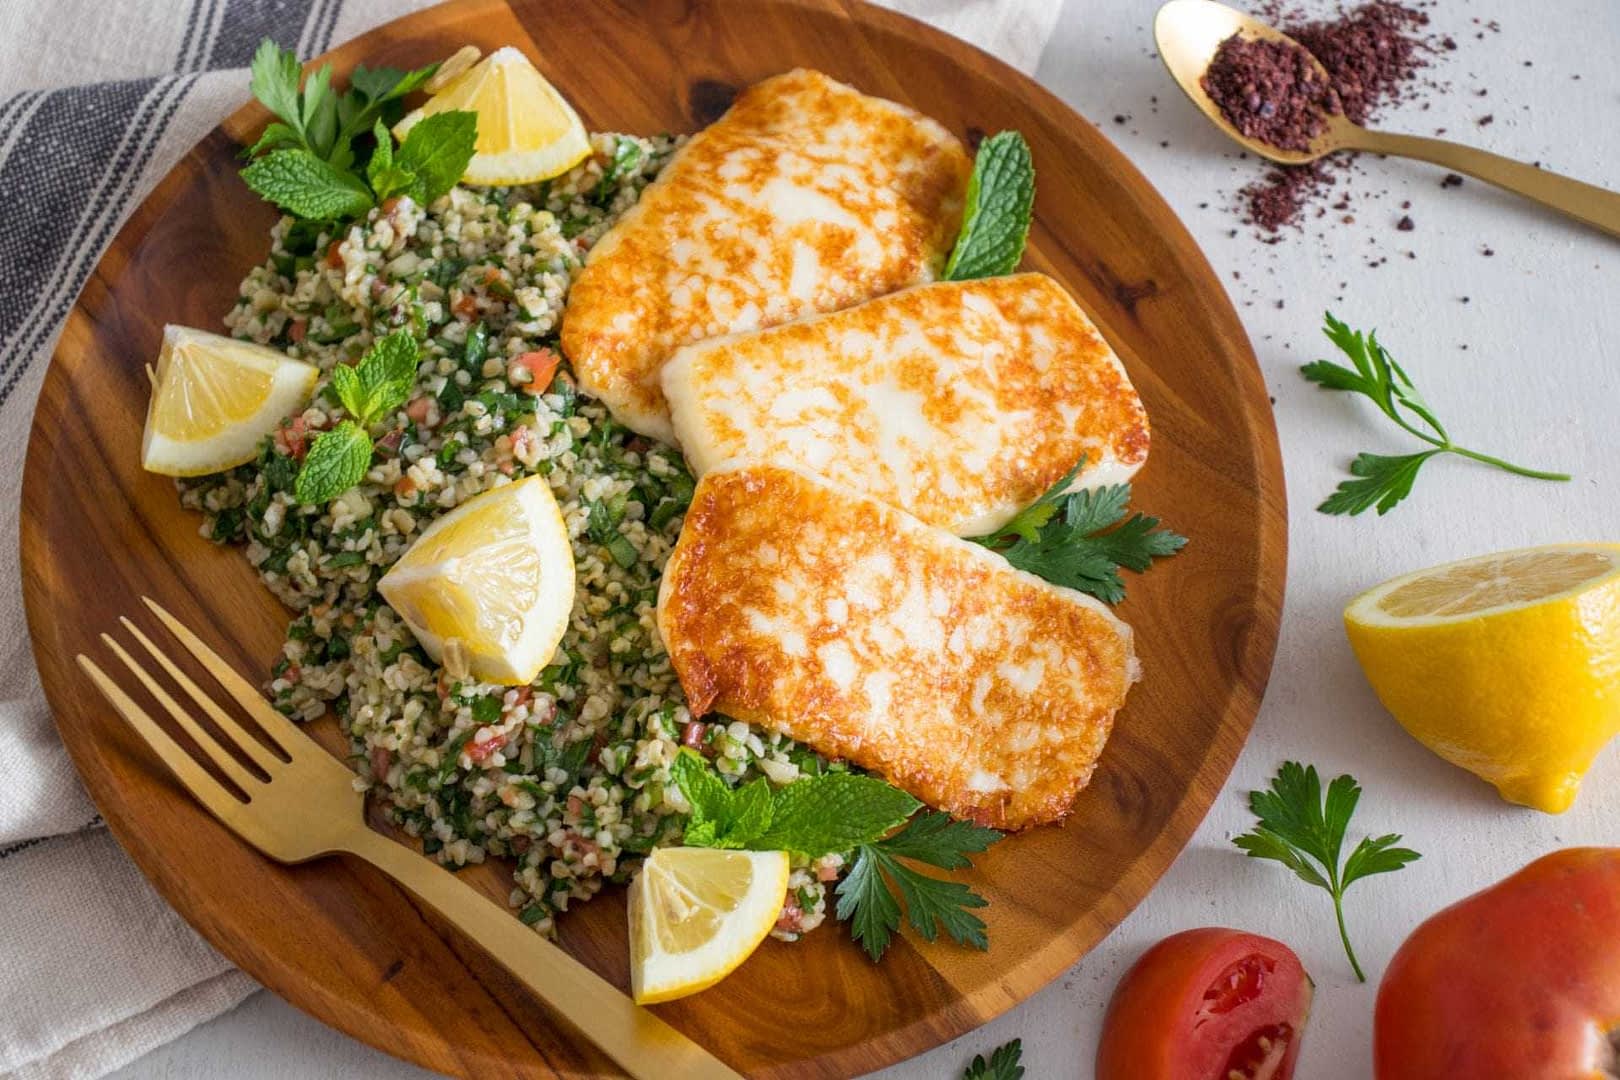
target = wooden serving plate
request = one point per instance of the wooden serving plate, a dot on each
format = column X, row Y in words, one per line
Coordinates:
column 340, row 941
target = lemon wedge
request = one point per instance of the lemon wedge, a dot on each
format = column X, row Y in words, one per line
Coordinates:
column 1507, row 665
column 491, row 581
column 214, row 398
column 696, row 914
column 527, row 132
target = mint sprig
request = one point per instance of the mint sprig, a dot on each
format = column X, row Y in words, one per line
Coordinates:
column 368, row 391
column 1000, row 203
column 430, row 160
column 337, row 460
column 813, row 816
column 306, row 159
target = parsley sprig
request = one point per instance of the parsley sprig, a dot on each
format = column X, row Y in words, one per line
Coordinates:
column 852, row 814
column 308, row 160
column 1077, row 538
column 996, row 215
column 867, row 895
column 378, row 384
column 1003, row 1063
column 1383, row 480
column 1306, row 834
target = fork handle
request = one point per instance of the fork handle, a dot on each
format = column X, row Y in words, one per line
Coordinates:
column 1597, row 207
column 643, row 1045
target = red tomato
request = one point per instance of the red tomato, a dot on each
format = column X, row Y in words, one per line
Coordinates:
column 1210, row 1004
column 1521, row 980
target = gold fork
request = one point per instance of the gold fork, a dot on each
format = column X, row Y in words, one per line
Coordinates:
column 308, row 807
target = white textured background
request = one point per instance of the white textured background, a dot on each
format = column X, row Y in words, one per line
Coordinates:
column 1537, row 383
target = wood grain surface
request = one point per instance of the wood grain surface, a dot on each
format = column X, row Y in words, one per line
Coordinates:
column 338, row 939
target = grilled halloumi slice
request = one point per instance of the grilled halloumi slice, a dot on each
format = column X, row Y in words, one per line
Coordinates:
column 959, row 401
column 855, row 628
column 806, row 196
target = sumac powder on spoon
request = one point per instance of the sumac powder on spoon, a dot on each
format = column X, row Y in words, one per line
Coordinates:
column 1271, row 91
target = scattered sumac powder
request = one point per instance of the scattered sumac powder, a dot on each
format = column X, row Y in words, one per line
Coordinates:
column 1270, row 90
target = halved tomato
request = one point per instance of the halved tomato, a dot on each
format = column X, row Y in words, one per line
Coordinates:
column 1209, row 1004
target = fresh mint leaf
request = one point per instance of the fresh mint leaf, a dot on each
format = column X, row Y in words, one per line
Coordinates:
column 1304, row 831
column 1081, row 548
column 384, row 179
column 748, row 815
column 1000, row 203
column 386, row 375
column 304, row 185
column 351, row 395
column 435, row 153
column 1383, row 480
column 837, row 812
column 706, row 794
column 1003, row 1064
column 337, row 460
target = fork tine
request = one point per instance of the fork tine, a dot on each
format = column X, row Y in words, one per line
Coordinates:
column 278, row 727
column 230, row 727
column 203, row 787
column 216, row 753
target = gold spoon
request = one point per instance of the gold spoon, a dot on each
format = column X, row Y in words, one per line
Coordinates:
column 1189, row 32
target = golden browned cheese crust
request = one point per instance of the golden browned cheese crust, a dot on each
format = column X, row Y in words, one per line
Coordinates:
column 806, row 196
column 857, row 629
column 959, row 401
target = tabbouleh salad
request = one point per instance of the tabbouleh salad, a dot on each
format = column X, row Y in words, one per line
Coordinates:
column 569, row 777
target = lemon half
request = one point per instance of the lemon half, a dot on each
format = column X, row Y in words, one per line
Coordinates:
column 493, row 579
column 214, row 398
column 527, row 131
column 1507, row 665
column 696, row 914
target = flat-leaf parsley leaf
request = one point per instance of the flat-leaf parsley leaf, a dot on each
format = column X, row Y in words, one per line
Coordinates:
column 1003, row 1063
column 1305, row 833
column 1071, row 539
column 1378, row 479
column 867, row 900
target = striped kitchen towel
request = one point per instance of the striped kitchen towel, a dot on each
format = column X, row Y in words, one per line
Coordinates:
column 98, row 99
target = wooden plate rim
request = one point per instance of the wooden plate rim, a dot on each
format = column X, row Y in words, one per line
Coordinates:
column 1038, row 966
